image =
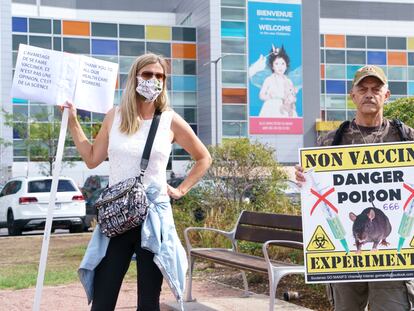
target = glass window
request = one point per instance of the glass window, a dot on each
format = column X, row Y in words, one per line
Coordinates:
column 234, row 62
column 57, row 43
column 41, row 112
column 77, row 46
column 410, row 73
column 41, row 42
column 189, row 114
column 104, row 30
column 14, row 59
column 132, row 31
column 410, row 58
column 233, row 14
column 377, row 58
column 40, row 25
column 20, row 112
column 348, row 86
column 411, row 88
column 241, row 3
column 322, row 55
column 397, row 43
column 234, row 112
column 19, row 24
column 163, row 49
column 44, row 185
column 123, row 81
column 237, row 129
column 183, row 34
column 131, row 48
column 233, row 45
column 398, row 88
column 335, row 56
column 323, row 87
column 183, row 67
column 335, row 71
column 356, row 57
column 19, row 130
column 351, row 114
column 335, row 101
column 355, row 42
column 233, row 29
column 184, row 83
column 397, row 73
column 234, row 78
column 57, row 27
column 104, row 47
column 17, row 39
column 350, row 71
column 184, row 99
column 322, row 40
column 125, row 63
column 376, row 43
column 335, row 87
column 335, row 115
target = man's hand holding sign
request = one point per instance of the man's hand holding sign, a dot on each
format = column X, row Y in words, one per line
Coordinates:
column 54, row 78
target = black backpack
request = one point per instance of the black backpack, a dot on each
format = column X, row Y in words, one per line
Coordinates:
column 344, row 125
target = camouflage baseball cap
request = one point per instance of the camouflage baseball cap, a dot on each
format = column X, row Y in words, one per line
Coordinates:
column 369, row 71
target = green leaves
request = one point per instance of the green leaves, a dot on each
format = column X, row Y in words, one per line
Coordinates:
column 403, row 109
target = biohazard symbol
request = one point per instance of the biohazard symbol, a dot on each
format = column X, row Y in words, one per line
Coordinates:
column 412, row 242
column 320, row 241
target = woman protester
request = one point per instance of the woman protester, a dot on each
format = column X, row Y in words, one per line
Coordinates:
column 121, row 138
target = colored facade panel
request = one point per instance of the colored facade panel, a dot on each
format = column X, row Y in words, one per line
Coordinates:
column 234, row 95
column 182, row 50
column 411, row 88
column 335, row 87
column 233, row 29
column 335, row 41
column 275, row 91
column 19, row 24
column 322, row 71
column 104, row 47
column 397, row 58
column 158, row 33
column 377, row 58
column 184, row 83
column 76, row 28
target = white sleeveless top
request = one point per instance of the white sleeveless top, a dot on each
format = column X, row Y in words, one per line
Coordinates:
column 125, row 152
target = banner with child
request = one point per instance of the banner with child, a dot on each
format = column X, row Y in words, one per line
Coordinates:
column 358, row 212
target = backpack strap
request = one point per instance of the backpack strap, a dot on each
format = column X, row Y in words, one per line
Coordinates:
column 398, row 124
column 339, row 132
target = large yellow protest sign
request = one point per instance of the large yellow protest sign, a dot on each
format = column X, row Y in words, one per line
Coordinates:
column 358, row 212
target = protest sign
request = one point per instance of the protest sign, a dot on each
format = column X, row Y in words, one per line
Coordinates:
column 54, row 77
column 358, row 212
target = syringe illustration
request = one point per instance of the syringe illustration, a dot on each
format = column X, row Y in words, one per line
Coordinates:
column 330, row 212
column 407, row 220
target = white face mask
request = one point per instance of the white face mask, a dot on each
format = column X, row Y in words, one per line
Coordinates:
column 150, row 89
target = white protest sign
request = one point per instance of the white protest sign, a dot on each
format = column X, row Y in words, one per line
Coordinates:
column 54, row 77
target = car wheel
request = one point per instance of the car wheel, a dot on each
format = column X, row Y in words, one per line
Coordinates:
column 76, row 229
column 12, row 228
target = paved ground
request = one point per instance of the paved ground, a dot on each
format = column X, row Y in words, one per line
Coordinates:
column 210, row 296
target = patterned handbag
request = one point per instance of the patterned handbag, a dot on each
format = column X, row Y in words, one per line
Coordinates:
column 124, row 205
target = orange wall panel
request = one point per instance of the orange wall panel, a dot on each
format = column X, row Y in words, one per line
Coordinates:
column 322, row 71
column 397, row 58
column 334, row 41
column 76, row 28
column 234, row 96
column 180, row 50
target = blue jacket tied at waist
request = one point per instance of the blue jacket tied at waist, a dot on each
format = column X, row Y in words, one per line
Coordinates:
column 169, row 254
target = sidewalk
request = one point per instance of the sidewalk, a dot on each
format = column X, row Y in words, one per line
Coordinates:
column 210, row 296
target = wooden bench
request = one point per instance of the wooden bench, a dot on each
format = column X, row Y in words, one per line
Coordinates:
column 275, row 229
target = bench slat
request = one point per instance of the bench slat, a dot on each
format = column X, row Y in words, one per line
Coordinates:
column 280, row 221
column 262, row 234
column 237, row 260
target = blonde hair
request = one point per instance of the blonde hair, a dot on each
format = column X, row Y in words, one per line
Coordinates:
column 130, row 118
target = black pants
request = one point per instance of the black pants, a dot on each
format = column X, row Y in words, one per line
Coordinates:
column 111, row 271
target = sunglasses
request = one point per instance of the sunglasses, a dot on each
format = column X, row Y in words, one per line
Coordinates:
column 146, row 75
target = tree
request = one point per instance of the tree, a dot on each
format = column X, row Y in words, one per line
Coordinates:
column 40, row 134
column 403, row 109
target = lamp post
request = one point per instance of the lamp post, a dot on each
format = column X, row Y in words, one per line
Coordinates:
column 215, row 62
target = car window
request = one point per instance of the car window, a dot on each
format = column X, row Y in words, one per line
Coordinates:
column 44, row 185
column 5, row 189
column 14, row 187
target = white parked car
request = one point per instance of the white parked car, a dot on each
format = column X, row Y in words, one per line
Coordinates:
column 24, row 202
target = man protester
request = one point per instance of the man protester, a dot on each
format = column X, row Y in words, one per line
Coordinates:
column 369, row 93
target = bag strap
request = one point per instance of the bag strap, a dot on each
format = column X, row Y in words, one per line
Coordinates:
column 399, row 125
column 339, row 132
column 149, row 142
